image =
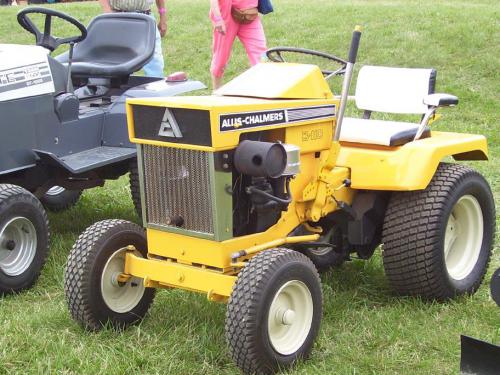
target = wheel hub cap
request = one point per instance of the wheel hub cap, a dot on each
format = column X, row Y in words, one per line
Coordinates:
column 10, row 245
column 121, row 297
column 463, row 237
column 18, row 243
column 290, row 317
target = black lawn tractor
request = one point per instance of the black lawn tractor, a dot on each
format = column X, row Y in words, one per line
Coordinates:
column 63, row 124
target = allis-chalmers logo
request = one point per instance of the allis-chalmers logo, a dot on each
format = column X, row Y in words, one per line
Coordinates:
column 250, row 120
column 169, row 126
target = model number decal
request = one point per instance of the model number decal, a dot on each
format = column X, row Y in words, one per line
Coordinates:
column 312, row 135
column 24, row 76
column 248, row 120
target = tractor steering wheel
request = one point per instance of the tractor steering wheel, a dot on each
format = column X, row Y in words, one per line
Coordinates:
column 276, row 55
column 45, row 39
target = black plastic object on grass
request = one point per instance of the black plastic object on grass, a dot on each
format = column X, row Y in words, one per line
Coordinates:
column 479, row 357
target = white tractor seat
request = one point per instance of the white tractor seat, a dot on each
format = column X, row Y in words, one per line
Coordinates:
column 379, row 132
column 393, row 90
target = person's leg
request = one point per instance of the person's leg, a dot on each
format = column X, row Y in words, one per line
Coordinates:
column 216, row 82
column 254, row 40
column 154, row 68
column 221, row 51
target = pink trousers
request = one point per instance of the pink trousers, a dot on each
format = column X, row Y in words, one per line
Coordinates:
column 251, row 36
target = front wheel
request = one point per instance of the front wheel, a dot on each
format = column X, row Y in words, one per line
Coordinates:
column 94, row 291
column 24, row 238
column 274, row 312
column 437, row 241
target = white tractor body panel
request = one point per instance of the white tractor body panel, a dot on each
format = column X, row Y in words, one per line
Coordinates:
column 24, row 72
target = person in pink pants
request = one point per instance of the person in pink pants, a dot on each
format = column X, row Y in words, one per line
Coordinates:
column 226, row 29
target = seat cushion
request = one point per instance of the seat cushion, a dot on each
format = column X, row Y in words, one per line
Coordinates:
column 117, row 45
column 379, row 132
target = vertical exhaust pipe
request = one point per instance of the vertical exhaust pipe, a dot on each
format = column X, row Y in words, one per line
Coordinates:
column 353, row 53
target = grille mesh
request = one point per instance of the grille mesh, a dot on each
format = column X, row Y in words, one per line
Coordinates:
column 177, row 183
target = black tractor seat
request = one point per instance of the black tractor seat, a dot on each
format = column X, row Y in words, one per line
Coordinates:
column 117, row 45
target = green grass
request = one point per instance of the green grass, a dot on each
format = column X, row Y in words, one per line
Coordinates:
column 365, row 329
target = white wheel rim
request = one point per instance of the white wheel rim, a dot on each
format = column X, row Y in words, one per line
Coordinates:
column 290, row 317
column 18, row 241
column 121, row 297
column 464, row 237
column 55, row 190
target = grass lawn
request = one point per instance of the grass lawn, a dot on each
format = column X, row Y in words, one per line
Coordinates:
column 365, row 329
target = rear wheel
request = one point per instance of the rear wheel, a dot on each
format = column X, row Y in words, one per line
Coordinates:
column 437, row 241
column 58, row 198
column 24, row 238
column 94, row 292
column 274, row 312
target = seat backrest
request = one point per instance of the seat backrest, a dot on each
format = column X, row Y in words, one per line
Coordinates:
column 117, row 43
column 394, row 90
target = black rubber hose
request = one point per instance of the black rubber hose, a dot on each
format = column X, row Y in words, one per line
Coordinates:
column 274, row 198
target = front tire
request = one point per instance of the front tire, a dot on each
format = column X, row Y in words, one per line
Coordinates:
column 58, row 198
column 437, row 241
column 94, row 295
column 24, row 238
column 274, row 312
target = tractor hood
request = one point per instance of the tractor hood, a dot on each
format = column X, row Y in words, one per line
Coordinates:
column 265, row 97
column 279, row 81
column 24, row 72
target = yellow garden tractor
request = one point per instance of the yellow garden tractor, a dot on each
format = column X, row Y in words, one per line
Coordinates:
column 248, row 193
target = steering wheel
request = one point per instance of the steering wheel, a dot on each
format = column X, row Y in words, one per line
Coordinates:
column 45, row 39
column 276, row 55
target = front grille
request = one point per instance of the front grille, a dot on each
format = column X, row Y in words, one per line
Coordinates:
column 177, row 184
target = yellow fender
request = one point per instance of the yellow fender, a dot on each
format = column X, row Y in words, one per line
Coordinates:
column 411, row 166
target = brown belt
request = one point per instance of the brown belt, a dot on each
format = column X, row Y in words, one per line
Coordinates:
column 244, row 16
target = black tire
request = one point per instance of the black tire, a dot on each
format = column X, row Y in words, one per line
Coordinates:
column 246, row 325
column 325, row 258
column 61, row 199
column 414, row 235
column 21, row 211
column 135, row 190
column 84, row 270
column 495, row 286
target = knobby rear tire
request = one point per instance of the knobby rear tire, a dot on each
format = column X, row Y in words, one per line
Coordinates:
column 61, row 200
column 415, row 227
